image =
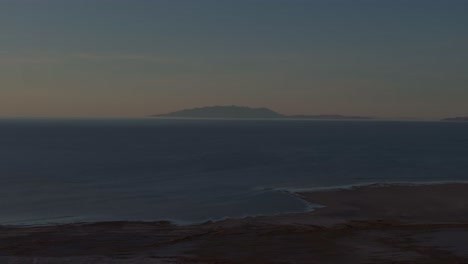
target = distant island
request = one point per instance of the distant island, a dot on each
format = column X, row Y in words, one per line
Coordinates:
column 245, row 112
column 223, row 112
column 456, row 119
column 327, row 117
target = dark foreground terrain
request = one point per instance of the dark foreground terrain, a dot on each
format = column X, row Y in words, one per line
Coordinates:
column 371, row 224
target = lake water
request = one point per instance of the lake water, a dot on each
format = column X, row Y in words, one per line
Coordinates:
column 56, row 170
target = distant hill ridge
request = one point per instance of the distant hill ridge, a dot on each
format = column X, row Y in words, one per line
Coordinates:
column 224, row 112
column 234, row 111
column 456, row 119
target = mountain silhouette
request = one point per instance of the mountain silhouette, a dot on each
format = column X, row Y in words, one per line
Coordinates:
column 456, row 119
column 245, row 112
column 224, row 112
column 328, row 117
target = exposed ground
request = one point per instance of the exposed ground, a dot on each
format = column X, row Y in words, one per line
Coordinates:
column 372, row 224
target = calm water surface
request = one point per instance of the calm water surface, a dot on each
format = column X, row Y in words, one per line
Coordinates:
column 188, row 171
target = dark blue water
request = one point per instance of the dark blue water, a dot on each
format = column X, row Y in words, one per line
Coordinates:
column 194, row 170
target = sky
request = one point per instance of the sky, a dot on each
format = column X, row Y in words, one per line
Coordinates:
column 132, row 58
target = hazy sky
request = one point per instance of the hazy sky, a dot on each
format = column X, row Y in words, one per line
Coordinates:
column 387, row 58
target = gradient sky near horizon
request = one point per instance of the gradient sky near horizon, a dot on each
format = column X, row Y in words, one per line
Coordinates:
column 389, row 58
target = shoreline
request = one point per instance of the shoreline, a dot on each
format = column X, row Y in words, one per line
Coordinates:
column 310, row 206
column 368, row 184
column 383, row 223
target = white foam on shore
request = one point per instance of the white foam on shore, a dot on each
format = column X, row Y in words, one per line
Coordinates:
column 294, row 190
column 308, row 207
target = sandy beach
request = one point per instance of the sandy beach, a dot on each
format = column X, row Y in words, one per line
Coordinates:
column 367, row 224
